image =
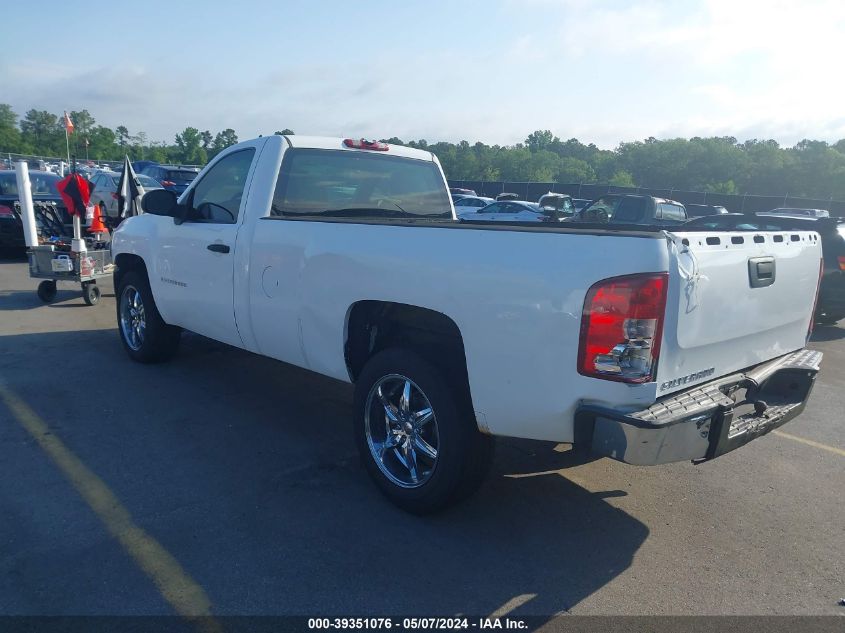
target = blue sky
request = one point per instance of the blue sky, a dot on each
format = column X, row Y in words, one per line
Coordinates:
column 602, row 71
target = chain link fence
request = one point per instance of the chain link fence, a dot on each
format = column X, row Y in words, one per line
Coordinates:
column 51, row 163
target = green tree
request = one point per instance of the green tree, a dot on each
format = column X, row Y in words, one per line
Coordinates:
column 41, row 132
column 189, row 144
column 541, row 139
column 574, row 170
column 122, row 134
column 224, row 139
column 285, row 132
column 10, row 137
column 103, row 145
column 621, row 178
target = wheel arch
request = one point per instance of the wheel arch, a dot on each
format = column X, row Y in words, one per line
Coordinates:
column 125, row 262
column 372, row 326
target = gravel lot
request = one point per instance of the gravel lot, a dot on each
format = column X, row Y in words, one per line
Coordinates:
column 242, row 472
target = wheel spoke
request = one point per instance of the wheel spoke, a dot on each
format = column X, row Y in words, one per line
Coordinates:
column 423, row 417
column 425, row 448
column 410, row 455
column 389, row 410
column 390, row 442
column 405, row 400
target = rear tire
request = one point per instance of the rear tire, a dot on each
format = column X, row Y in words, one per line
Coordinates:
column 91, row 293
column 144, row 334
column 451, row 457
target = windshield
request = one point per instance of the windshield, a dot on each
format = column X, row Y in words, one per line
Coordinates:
column 145, row 181
column 41, row 184
column 561, row 204
column 332, row 183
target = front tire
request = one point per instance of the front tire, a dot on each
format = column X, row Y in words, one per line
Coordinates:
column 144, row 334
column 416, row 435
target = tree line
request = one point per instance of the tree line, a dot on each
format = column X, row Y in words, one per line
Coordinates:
column 814, row 169
column 42, row 133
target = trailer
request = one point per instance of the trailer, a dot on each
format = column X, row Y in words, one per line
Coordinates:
column 53, row 264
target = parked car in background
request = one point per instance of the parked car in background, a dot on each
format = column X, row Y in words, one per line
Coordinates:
column 508, row 211
column 43, row 186
column 507, row 196
column 105, row 192
column 795, row 212
column 701, row 210
column 637, row 209
column 141, row 165
column 172, row 177
column 599, row 210
column 634, row 209
column 461, row 191
column 470, row 204
column 557, row 206
column 581, row 203
column 830, row 306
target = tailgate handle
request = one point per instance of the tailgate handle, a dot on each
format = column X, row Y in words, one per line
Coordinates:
column 761, row 271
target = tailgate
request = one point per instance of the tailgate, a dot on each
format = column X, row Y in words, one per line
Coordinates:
column 736, row 299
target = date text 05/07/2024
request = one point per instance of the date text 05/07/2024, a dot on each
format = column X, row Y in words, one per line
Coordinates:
column 455, row 623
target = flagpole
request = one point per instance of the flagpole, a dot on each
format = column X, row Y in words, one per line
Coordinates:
column 67, row 146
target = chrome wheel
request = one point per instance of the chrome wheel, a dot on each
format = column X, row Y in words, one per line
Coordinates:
column 133, row 323
column 401, row 431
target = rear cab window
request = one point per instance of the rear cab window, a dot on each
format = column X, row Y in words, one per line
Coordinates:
column 630, row 210
column 322, row 184
column 181, row 175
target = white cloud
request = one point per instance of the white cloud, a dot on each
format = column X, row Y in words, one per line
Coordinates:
column 599, row 70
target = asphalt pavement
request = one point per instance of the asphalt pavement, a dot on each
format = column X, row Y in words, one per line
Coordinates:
column 227, row 483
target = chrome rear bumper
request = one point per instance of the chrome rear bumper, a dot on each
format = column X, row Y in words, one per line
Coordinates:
column 704, row 421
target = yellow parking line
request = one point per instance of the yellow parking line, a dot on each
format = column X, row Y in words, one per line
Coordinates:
column 824, row 447
column 183, row 593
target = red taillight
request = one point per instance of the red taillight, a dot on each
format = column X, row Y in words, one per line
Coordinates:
column 376, row 146
column 6, row 212
column 816, row 300
column 168, row 183
column 841, row 262
column 621, row 327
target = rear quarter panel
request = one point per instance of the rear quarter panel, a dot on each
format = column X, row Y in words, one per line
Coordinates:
column 516, row 297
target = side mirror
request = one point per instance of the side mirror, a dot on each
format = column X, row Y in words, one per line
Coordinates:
column 160, row 202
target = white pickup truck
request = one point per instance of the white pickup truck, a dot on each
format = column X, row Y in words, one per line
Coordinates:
column 345, row 257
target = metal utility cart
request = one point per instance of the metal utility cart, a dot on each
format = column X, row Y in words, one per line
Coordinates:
column 49, row 263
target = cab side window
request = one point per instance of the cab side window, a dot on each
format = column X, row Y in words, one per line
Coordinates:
column 216, row 198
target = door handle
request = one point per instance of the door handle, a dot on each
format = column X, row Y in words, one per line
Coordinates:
column 218, row 248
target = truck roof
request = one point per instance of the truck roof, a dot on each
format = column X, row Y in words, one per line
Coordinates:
column 330, row 142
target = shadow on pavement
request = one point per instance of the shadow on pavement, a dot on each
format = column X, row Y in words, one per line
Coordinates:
column 822, row 333
column 244, row 469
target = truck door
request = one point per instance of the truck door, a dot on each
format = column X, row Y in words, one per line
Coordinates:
column 195, row 260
